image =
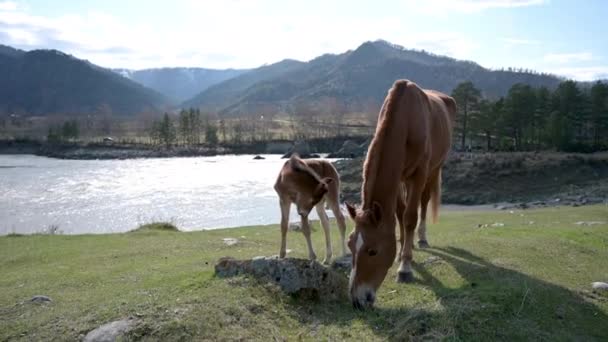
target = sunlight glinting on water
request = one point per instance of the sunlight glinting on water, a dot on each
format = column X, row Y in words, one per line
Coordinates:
column 78, row 197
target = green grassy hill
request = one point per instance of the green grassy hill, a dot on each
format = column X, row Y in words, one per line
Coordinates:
column 528, row 279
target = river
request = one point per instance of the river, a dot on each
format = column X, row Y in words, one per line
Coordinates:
column 39, row 194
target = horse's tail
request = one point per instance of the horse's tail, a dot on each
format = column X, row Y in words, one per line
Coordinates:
column 436, row 196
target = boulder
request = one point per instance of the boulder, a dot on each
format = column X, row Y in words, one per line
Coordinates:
column 349, row 150
column 298, row 277
column 110, row 332
column 302, row 148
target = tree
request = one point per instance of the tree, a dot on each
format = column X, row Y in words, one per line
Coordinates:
column 566, row 118
column 167, row 131
column 210, row 133
column 520, row 105
column 184, row 126
column 541, row 116
column 467, row 97
column 599, row 112
column 484, row 122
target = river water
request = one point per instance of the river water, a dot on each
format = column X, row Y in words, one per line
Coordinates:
column 39, row 194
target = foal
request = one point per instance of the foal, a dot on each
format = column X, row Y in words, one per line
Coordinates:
column 308, row 184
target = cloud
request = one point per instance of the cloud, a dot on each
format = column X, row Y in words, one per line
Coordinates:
column 8, row 6
column 472, row 6
column 564, row 58
column 583, row 73
column 214, row 34
column 519, row 41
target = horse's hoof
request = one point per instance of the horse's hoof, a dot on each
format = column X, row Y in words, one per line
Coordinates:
column 423, row 244
column 405, row 277
column 326, row 261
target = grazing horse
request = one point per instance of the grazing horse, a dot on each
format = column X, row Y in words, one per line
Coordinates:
column 411, row 142
column 308, row 184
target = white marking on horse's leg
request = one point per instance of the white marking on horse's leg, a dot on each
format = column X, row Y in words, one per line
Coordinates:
column 306, row 232
column 341, row 226
column 422, row 230
column 285, row 208
column 325, row 224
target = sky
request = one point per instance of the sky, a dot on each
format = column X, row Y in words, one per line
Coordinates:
column 563, row 37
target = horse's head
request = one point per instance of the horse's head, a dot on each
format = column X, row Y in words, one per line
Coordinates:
column 306, row 200
column 373, row 248
column 311, row 187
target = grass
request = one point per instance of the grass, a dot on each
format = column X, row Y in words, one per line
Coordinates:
column 527, row 280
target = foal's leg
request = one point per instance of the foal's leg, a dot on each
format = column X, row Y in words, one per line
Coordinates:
column 335, row 208
column 424, row 201
column 306, row 232
column 415, row 186
column 400, row 210
column 285, row 207
column 325, row 223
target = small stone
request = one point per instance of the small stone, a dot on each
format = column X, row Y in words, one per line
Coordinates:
column 295, row 226
column 258, row 157
column 40, row 299
column 110, row 332
column 599, row 285
column 431, row 260
column 230, row 241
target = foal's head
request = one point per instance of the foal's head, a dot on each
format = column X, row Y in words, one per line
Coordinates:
column 310, row 187
column 373, row 249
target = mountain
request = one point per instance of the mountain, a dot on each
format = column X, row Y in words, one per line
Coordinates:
column 179, row 84
column 355, row 79
column 217, row 96
column 41, row 82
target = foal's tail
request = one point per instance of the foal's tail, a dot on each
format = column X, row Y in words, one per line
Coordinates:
column 436, row 196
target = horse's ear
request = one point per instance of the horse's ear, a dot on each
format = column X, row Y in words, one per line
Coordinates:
column 321, row 189
column 351, row 210
column 327, row 180
column 376, row 212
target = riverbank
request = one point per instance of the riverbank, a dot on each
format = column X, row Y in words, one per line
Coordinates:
column 119, row 150
column 493, row 275
column 520, row 179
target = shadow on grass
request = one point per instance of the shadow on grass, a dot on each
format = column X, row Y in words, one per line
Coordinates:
column 495, row 303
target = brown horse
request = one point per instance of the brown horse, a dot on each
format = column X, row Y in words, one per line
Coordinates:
column 308, row 184
column 412, row 140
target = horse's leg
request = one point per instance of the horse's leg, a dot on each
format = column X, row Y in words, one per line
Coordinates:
column 285, row 207
column 424, row 201
column 325, row 224
column 415, row 186
column 335, row 208
column 400, row 210
column 306, row 232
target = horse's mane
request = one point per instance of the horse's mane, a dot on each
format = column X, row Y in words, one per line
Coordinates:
column 299, row 165
column 374, row 153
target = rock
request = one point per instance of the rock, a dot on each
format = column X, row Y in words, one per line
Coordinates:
column 349, row 150
column 299, row 277
column 431, row 260
column 300, row 147
column 600, row 286
column 110, row 332
column 497, row 224
column 295, row 226
column 230, row 241
column 40, row 299
column 258, row 157
column 343, row 264
column 589, row 223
